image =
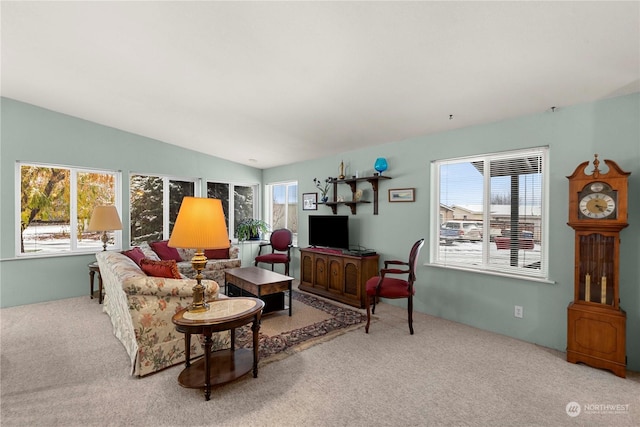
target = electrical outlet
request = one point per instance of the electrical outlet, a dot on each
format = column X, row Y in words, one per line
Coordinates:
column 518, row 312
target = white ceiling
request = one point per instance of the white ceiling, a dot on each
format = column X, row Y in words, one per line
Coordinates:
column 273, row 83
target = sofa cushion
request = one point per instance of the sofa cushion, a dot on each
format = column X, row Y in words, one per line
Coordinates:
column 135, row 254
column 186, row 254
column 217, row 253
column 164, row 251
column 149, row 253
column 165, row 268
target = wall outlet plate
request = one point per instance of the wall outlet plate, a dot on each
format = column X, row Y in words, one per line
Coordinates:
column 518, row 312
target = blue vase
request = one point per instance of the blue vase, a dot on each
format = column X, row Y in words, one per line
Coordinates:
column 324, row 199
column 380, row 165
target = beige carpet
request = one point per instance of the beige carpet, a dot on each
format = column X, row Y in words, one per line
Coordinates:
column 62, row 366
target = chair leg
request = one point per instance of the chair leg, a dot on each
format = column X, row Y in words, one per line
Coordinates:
column 367, row 303
column 286, row 269
column 410, row 308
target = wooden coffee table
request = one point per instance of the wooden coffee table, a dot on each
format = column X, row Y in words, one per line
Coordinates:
column 258, row 282
column 220, row 366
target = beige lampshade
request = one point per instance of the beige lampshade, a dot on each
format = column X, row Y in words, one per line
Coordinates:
column 200, row 225
column 105, row 218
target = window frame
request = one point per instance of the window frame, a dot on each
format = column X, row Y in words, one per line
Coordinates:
column 73, row 209
column 269, row 203
column 166, row 179
column 231, row 203
column 540, row 275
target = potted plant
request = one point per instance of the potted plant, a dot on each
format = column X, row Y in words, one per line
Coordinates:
column 251, row 229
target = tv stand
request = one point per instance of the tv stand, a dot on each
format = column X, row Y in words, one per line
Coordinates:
column 338, row 276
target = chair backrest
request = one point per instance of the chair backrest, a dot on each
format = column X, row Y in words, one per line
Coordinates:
column 281, row 239
column 413, row 259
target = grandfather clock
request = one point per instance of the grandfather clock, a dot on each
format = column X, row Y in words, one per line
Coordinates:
column 597, row 212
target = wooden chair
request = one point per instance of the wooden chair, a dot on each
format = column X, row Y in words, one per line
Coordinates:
column 393, row 287
column 281, row 244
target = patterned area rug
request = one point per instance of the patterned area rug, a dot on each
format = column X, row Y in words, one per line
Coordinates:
column 275, row 347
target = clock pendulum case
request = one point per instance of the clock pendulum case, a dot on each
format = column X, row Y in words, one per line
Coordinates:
column 597, row 212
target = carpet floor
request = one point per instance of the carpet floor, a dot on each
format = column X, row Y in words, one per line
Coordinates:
column 60, row 365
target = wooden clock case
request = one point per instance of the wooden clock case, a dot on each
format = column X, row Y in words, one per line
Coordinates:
column 596, row 332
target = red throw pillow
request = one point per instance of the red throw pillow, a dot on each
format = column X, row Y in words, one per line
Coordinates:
column 217, row 253
column 164, row 251
column 166, row 268
column 135, row 254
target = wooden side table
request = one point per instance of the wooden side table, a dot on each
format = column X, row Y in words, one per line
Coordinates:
column 93, row 269
column 221, row 366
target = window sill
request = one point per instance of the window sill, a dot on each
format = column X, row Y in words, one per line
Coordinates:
column 493, row 273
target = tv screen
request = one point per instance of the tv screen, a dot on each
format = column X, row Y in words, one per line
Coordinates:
column 329, row 231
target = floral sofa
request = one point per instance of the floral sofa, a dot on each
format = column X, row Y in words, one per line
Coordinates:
column 218, row 261
column 141, row 308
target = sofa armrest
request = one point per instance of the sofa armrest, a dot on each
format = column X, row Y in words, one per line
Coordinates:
column 161, row 287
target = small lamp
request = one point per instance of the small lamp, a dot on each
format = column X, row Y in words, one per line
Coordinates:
column 104, row 218
column 200, row 225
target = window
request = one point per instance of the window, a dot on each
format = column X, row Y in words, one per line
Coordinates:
column 55, row 205
column 489, row 213
column 238, row 202
column 155, row 203
column 282, row 207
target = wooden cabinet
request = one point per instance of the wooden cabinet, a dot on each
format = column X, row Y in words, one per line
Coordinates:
column 336, row 276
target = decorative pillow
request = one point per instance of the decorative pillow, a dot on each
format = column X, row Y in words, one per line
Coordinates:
column 217, row 253
column 148, row 252
column 164, row 251
column 166, row 268
column 135, row 254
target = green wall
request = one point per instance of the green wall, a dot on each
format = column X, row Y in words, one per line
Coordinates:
column 610, row 128
column 34, row 134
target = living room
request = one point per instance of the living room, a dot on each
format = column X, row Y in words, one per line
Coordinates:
column 607, row 125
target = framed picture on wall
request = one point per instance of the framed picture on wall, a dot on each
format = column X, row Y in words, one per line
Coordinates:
column 310, row 201
column 402, row 195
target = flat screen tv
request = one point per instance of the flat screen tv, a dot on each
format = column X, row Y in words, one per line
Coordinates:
column 329, row 231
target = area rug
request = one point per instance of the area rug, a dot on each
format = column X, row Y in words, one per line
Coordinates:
column 314, row 320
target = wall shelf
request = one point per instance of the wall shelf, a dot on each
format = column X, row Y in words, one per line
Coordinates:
column 353, row 183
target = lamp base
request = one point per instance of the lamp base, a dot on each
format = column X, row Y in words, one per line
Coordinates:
column 104, row 240
column 198, row 308
column 198, row 262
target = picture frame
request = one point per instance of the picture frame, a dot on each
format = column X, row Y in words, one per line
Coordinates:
column 402, row 195
column 309, row 201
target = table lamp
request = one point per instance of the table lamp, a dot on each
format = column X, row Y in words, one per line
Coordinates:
column 104, row 218
column 200, row 225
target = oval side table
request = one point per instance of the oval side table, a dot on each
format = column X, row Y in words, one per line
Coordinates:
column 220, row 366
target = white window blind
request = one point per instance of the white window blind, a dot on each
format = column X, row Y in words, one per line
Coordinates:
column 498, row 202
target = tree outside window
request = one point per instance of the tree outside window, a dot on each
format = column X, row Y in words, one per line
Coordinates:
column 152, row 218
column 50, row 221
column 238, row 202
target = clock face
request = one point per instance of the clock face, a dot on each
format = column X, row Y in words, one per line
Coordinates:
column 597, row 205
